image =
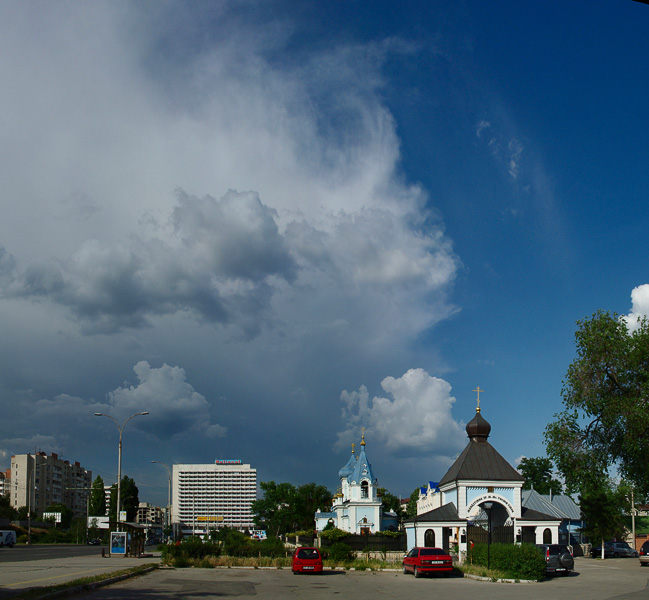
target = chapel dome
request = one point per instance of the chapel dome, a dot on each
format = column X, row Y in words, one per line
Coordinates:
column 348, row 469
column 478, row 428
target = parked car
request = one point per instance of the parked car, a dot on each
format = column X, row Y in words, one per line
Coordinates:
column 644, row 554
column 614, row 550
column 307, row 560
column 427, row 560
column 558, row 558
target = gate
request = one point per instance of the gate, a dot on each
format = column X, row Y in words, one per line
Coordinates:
column 499, row 535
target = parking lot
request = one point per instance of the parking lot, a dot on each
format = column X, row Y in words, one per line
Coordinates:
column 592, row 580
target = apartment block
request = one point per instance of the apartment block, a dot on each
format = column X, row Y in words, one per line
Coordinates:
column 40, row 480
column 209, row 496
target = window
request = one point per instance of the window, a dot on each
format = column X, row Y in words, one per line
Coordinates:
column 365, row 490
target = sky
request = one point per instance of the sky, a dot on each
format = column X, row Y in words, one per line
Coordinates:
column 273, row 224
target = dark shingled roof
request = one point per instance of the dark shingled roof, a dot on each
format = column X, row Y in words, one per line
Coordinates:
column 480, row 460
column 527, row 514
column 448, row 512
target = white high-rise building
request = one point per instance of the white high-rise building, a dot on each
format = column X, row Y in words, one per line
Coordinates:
column 210, row 496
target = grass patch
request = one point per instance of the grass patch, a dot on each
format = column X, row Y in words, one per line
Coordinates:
column 480, row 571
column 84, row 582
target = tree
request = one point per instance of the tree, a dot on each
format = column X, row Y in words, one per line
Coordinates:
column 129, row 499
column 286, row 509
column 390, row 502
column 97, row 506
column 606, row 397
column 411, row 508
column 538, row 475
column 6, row 510
column 66, row 513
column 603, row 511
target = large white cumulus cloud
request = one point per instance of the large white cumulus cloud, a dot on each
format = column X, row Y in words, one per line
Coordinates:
column 415, row 420
column 639, row 306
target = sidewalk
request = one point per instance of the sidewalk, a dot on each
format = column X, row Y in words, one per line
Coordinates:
column 20, row 576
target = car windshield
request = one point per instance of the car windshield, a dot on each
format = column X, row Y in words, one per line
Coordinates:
column 308, row 553
column 431, row 552
column 558, row 549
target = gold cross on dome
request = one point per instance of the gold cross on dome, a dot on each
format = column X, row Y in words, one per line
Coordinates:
column 478, row 390
column 353, row 446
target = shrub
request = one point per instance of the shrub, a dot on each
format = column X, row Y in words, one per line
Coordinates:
column 340, row 552
column 522, row 561
column 334, row 535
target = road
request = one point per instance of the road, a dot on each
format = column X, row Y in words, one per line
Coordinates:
column 25, row 567
column 622, row 579
column 22, row 568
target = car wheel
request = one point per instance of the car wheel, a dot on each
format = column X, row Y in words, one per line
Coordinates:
column 405, row 571
column 416, row 572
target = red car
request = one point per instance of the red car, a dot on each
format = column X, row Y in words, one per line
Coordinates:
column 307, row 560
column 427, row 560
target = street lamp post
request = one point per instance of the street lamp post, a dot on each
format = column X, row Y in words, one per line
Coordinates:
column 488, row 506
column 168, row 519
column 119, row 456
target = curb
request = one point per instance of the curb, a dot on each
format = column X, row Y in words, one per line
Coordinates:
column 97, row 584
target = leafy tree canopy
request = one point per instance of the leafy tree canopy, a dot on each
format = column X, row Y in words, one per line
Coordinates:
column 286, row 508
column 603, row 510
column 390, row 502
column 606, row 397
column 6, row 510
column 538, row 475
column 411, row 507
column 66, row 513
column 129, row 498
column 97, row 506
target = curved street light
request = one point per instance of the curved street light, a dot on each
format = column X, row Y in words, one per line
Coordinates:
column 119, row 459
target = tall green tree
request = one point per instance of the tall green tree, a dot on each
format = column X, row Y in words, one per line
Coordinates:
column 538, row 475
column 97, row 506
column 390, row 502
column 603, row 510
column 129, row 498
column 6, row 510
column 411, row 507
column 286, row 508
column 605, row 423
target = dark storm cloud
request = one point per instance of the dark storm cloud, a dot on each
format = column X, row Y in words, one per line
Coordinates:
column 218, row 263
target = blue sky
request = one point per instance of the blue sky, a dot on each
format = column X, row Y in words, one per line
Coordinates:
column 271, row 225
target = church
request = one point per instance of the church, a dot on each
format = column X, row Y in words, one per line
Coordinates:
column 357, row 508
column 480, row 493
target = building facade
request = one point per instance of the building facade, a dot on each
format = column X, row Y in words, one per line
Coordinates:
column 357, row 508
column 479, row 499
column 211, row 496
column 40, row 480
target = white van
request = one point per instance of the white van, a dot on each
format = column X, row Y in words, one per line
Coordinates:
column 7, row 538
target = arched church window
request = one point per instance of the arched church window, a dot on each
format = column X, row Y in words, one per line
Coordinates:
column 547, row 536
column 429, row 538
column 365, row 489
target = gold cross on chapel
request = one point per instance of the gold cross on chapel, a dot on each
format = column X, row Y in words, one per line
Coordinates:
column 478, row 390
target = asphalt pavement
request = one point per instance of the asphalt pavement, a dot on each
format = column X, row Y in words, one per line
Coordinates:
column 23, row 567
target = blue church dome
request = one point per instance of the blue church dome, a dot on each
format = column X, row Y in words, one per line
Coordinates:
column 348, row 469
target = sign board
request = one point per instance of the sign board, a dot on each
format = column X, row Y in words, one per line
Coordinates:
column 52, row 516
column 227, row 462
column 210, row 519
column 99, row 522
column 122, row 515
column 118, row 542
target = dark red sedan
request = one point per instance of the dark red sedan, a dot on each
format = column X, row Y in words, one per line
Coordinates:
column 427, row 560
column 307, row 560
